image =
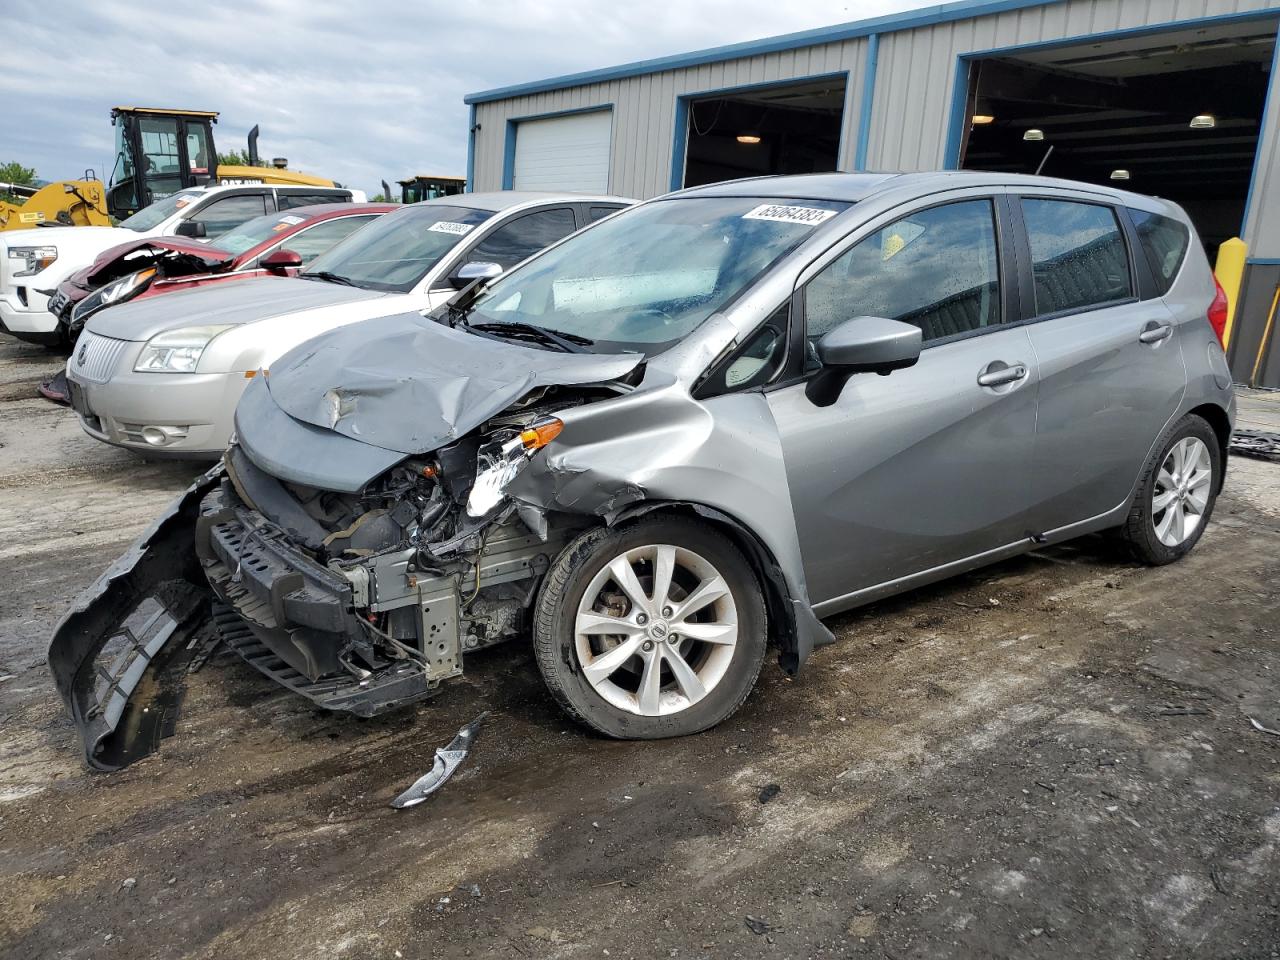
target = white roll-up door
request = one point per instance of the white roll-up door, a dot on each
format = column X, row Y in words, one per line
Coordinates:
column 564, row 153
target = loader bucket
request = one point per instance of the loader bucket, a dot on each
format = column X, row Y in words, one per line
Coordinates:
column 119, row 655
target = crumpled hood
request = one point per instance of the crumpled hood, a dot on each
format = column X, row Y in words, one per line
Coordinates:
column 409, row 384
column 108, row 266
column 231, row 303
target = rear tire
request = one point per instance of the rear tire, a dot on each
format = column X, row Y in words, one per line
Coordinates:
column 635, row 660
column 1176, row 493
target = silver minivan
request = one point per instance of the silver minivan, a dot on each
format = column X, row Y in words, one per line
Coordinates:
column 695, row 429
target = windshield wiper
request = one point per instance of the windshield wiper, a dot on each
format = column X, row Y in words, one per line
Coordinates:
column 568, row 342
column 330, row 277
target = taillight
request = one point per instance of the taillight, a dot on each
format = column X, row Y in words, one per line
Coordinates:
column 1218, row 313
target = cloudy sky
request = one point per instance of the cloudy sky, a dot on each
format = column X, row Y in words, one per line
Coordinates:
column 356, row 92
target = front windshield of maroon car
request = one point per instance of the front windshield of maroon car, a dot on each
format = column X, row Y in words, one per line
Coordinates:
column 646, row 278
column 257, row 230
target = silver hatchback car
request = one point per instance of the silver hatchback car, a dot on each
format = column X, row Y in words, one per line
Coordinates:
column 693, row 430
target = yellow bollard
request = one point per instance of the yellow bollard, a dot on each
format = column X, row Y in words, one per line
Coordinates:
column 1230, row 273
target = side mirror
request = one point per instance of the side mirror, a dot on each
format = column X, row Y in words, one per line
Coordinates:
column 191, row 228
column 281, row 261
column 474, row 270
column 861, row 345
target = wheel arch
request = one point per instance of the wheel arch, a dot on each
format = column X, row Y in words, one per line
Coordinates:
column 779, row 604
column 1217, row 418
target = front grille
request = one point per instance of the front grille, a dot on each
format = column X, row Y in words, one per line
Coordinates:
column 95, row 357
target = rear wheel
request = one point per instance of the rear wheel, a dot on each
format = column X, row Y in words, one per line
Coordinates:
column 1177, row 492
column 654, row 630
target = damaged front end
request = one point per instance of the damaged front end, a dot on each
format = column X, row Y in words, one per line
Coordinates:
column 362, row 600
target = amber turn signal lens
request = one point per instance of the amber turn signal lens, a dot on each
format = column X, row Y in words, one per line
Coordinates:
column 540, row 434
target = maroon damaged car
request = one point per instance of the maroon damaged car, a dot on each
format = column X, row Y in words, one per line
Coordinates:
column 279, row 243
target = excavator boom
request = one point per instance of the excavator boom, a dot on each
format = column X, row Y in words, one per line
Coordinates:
column 76, row 203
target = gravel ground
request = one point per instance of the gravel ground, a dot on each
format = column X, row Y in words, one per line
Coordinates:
column 1049, row 758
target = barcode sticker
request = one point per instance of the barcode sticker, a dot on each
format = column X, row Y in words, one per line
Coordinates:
column 448, row 226
column 810, row 216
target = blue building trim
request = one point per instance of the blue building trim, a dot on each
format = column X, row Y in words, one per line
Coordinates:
column 868, row 102
column 509, row 146
column 471, row 150
column 1262, row 133
column 1263, row 261
column 680, row 138
column 909, row 20
column 959, row 93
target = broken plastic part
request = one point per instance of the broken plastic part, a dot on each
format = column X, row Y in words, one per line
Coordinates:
column 448, row 759
column 542, row 433
column 119, row 654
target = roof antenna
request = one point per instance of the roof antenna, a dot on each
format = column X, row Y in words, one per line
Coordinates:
column 1047, row 153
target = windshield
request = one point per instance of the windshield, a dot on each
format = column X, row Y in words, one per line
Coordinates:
column 646, row 278
column 394, row 252
column 149, row 217
column 255, row 231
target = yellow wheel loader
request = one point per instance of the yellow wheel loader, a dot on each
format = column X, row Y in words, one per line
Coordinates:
column 158, row 152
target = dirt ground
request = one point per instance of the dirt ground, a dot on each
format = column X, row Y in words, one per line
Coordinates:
column 1049, row 758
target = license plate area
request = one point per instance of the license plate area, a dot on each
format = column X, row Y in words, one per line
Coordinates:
column 79, row 403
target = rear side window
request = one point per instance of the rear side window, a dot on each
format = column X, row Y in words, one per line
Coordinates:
column 1164, row 243
column 1077, row 254
column 599, row 213
column 287, row 201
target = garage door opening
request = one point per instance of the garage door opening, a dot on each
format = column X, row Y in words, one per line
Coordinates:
column 781, row 130
column 1175, row 114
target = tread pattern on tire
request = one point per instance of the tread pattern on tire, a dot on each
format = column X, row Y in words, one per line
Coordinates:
column 1133, row 531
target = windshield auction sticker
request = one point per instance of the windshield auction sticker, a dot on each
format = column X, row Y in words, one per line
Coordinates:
column 448, row 226
column 810, row 216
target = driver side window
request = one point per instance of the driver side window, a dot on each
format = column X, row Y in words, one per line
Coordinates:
column 937, row 269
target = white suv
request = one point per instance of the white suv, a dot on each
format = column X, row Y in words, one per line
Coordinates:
column 33, row 262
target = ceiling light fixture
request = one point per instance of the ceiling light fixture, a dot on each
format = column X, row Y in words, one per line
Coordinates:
column 1203, row 121
column 1119, row 174
column 982, row 119
column 1033, row 134
column 748, row 138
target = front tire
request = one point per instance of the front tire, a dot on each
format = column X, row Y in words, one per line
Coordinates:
column 1176, row 493
column 653, row 630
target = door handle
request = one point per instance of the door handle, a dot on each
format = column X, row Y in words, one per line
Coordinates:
column 998, row 376
column 1154, row 332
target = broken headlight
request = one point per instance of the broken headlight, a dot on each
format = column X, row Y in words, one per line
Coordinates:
column 498, row 462
column 34, row 259
column 177, row 351
column 126, row 287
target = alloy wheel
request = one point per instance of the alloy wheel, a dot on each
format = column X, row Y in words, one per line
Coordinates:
column 656, row 630
column 1182, row 491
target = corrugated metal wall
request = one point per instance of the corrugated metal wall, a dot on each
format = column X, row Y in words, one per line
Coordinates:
column 917, row 71
column 912, row 109
column 644, row 111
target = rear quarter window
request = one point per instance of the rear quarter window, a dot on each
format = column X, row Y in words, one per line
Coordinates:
column 1164, row 243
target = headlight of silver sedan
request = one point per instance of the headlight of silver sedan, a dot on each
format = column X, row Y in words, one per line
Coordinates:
column 33, row 259
column 177, row 351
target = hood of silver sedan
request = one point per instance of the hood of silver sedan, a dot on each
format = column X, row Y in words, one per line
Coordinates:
column 409, row 384
column 224, row 303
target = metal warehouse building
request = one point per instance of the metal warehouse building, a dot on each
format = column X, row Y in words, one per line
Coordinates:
column 1168, row 97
